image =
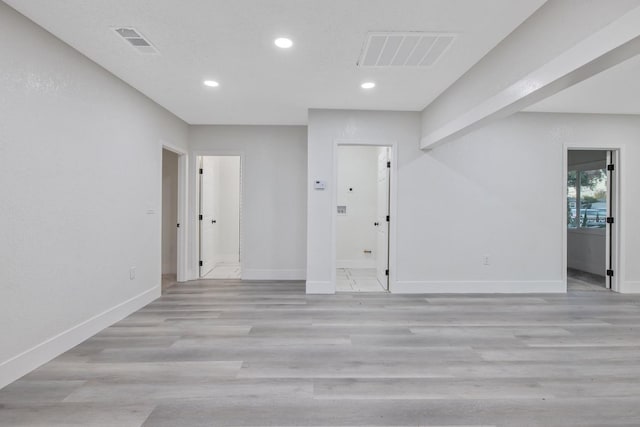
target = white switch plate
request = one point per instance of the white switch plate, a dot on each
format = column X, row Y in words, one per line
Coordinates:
column 132, row 273
column 319, row 184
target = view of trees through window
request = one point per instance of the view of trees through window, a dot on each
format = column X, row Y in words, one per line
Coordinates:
column 587, row 198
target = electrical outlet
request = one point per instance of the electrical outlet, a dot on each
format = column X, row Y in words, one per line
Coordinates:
column 132, row 273
column 485, row 260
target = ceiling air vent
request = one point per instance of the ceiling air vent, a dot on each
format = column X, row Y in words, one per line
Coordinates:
column 136, row 40
column 412, row 49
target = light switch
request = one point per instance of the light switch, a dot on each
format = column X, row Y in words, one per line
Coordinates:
column 319, row 185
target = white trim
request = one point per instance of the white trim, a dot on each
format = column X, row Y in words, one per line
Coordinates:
column 630, row 287
column 193, row 267
column 393, row 199
column 25, row 362
column 316, row 287
column 183, row 212
column 618, row 207
column 182, row 273
column 269, row 274
column 479, row 287
column 356, row 263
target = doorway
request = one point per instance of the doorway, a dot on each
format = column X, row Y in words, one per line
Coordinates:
column 363, row 186
column 219, row 204
column 591, row 219
column 170, row 225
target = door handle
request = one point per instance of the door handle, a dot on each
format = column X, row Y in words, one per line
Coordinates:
column 376, row 224
column 213, row 221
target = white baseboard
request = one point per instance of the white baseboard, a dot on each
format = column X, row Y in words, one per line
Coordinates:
column 356, row 263
column 479, row 287
column 268, row 274
column 25, row 362
column 627, row 287
column 320, row 287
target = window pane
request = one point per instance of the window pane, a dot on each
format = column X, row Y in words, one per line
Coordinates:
column 593, row 198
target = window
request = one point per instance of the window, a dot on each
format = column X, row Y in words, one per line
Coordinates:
column 587, row 198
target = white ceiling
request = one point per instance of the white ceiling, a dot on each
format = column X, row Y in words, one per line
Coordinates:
column 614, row 91
column 231, row 41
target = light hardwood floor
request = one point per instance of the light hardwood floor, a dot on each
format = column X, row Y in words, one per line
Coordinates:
column 230, row 353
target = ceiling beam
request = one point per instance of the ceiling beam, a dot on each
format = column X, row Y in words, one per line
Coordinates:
column 588, row 40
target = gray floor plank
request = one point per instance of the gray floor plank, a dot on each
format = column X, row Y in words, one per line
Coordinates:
column 232, row 353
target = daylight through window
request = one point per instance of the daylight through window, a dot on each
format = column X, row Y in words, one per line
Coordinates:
column 587, row 198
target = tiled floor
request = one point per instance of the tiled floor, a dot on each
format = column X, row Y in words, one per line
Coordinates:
column 233, row 353
column 357, row 280
column 224, row 270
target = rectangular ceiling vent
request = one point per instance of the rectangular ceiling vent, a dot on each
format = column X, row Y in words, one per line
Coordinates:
column 411, row 49
column 136, row 40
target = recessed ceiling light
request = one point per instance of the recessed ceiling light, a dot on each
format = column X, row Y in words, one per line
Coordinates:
column 283, row 42
column 368, row 85
column 211, row 83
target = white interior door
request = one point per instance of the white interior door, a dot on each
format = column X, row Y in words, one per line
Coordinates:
column 610, row 226
column 208, row 221
column 382, row 215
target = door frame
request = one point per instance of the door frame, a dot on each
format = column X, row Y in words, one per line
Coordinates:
column 182, row 269
column 617, row 255
column 393, row 200
column 194, row 208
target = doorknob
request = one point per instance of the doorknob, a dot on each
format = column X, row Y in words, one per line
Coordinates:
column 376, row 224
column 213, row 221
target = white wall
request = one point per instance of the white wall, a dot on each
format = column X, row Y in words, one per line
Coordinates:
column 586, row 248
column 326, row 127
column 495, row 192
column 169, row 212
column 355, row 232
column 273, row 219
column 80, row 167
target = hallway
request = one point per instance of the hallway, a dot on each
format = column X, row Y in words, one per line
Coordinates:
column 264, row 353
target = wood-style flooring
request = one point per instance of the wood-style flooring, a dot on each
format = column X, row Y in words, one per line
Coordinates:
column 231, row 353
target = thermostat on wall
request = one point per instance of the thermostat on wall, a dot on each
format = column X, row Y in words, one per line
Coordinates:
column 319, row 185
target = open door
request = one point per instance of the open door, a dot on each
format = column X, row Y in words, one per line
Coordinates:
column 592, row 219
column 611, row 219
column 219, row 217
column 170, row 222
column 382, row 215
column 208, row 220
column 362, row 218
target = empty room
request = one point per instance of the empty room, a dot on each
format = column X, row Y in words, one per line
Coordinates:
column 319, row 213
